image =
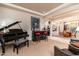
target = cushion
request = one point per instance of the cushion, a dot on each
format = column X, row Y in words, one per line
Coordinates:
column 76, row 44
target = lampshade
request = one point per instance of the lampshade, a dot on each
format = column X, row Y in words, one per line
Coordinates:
column 77, row 29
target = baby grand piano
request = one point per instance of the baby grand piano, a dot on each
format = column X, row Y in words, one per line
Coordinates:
column 12, row 35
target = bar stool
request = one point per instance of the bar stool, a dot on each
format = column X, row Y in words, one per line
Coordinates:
column 38, row 34
column 45, row 34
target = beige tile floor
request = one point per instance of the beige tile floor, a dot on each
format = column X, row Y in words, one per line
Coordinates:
column 43, row 48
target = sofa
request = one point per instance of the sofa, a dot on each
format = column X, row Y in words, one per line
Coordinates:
column 62, row 52
column 74, row 46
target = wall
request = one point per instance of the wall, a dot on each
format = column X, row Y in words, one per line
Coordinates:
column 44, row 23
column 67, row 13
column 9, row 16
column 60, row 22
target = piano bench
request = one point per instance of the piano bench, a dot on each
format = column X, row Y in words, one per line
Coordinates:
column 19, row 45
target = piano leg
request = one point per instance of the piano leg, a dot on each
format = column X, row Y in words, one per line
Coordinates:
column 2, row 46
column 13, row 48
column 27, row 43
column 3, row 49
column 17, row 50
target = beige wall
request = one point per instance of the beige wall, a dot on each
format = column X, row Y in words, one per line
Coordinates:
column 9, row 16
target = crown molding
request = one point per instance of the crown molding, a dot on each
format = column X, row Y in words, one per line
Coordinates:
column 32, row 11
column 57, row 8
column 65, row 5
column 72, row 10
column 22, row 8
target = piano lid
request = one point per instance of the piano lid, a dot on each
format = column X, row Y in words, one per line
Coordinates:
column 12, row 24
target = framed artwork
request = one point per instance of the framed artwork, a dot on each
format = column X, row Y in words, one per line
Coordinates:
column 70, row 26
column 54, row 28
column 35, row 23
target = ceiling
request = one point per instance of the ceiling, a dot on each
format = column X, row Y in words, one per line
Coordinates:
column 39, row 7
column 51, row 10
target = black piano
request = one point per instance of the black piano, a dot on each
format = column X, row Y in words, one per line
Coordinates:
column 12, row 35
